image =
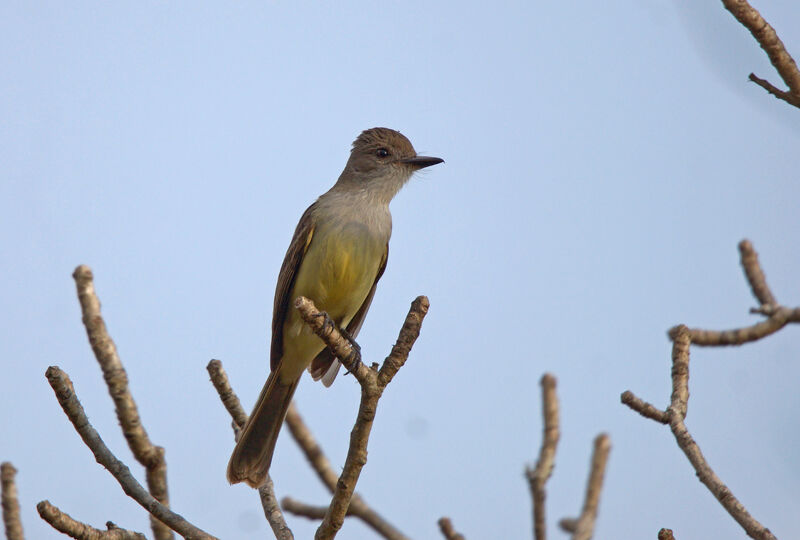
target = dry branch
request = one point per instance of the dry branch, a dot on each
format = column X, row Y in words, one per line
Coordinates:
column 766, row 36
column 373, row 382
column 538, row 475
column 272, row 511
column 63, row 522
column 449, row 532
column 266, row 492
column 676, row 414
column 315, row 456
column 10, row 502
column 145, row 452
column 777, row 315
column 65, row 393
column 322, row 466
column 582, row 527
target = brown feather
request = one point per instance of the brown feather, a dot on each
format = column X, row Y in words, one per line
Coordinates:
column 286, row 277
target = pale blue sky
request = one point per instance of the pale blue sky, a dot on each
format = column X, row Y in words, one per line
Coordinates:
column 602, row 162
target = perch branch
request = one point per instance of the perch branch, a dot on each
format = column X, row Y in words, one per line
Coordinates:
column 538, row 475
column 145, row 452
column 766, row 36
column 582, row 528
column 314, row 454
column 373, row 382
column 63, row 522
column 10, row 502
column 65, row 393
column 449, row 532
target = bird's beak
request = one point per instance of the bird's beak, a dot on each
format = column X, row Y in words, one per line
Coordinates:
column 420, row 162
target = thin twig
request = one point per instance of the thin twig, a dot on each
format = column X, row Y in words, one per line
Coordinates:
column 449, row 532
column 754, row 274
column 229, row 398
column 310, row 511
column 766, row 36
column 311, row 449
column 272, row 511
column 538, row 475
column 65, row 393
column 266, row 492
column 372, row 382
column 778, row 316
column 582, row 528
column 644, row 408
column 63, row 522
column 145, row 452
column 10, row 502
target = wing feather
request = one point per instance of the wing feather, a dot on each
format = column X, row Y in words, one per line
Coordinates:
column 303, row 235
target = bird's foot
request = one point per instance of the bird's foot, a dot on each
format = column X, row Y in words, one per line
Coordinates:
column 354, row 359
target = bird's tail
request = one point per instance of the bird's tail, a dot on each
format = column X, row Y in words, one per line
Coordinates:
column 252, row 456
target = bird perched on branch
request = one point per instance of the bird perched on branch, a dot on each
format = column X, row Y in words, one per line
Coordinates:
column 336, row 257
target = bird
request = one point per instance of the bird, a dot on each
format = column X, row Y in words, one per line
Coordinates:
column 336, row 257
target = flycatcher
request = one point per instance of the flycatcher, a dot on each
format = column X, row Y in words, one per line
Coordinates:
column 336, row 257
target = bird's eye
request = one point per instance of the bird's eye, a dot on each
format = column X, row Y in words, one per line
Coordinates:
column 382, row 152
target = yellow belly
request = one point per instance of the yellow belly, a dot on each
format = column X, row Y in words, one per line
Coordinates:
column 337, row 273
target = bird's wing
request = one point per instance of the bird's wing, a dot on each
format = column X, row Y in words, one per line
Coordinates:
column 325, row 366
column 286, row 278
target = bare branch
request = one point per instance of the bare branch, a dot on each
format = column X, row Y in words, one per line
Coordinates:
column 62, row 522
column 740, row 336
column 676, row 412
column 766, row 36
column 774, row 90
column 315, row 456
column 538, row 476
column 326, row 329
column 322, row 466
column 714, row 484
column 679, row 403
column 310, row 511
column 372, row 382
column 65, row 393
column 10, row 502
column 229, row 398
column 583, row 527
column 754, row 274
column 311, row 449
column 272, row 511
column 449, row 532
column 778, row 315
column 266, row 492
column 644, row 408
column 145, row 452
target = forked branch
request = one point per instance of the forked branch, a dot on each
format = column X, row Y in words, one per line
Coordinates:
column 373, row 381
column 766, row 36
column 145, row 452
column 675, row 414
